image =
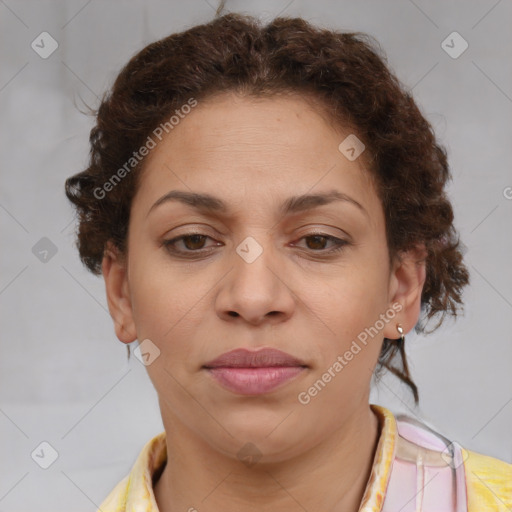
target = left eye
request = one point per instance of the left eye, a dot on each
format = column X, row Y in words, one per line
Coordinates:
column 319, row 238
column 194, row 242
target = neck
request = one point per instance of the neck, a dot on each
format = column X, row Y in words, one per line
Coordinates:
column 332, row 476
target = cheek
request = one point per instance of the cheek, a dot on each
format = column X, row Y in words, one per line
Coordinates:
column 167, row 304
column 359, row 289
column 158, row 300
column 352, row 301
column 161, row 309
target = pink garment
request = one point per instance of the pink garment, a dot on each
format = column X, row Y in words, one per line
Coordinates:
column 427, row 473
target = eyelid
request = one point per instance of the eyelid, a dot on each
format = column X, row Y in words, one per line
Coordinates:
column 321, row 231
column 308, row 231
column 199, row 228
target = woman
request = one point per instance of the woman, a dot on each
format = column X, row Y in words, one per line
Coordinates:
column 266, row 205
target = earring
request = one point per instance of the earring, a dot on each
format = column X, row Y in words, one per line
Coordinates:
column 401, row 332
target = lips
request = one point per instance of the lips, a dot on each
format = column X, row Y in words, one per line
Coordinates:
column 243, row 358
column 249, row 372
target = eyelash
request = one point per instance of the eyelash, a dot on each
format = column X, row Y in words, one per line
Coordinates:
column 170, row 244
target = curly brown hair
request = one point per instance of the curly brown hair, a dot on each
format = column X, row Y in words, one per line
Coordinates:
column 348, row 75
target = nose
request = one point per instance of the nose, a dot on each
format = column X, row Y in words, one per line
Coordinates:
column 256, row 289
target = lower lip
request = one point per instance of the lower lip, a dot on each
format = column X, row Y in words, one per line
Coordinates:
column 254, row 381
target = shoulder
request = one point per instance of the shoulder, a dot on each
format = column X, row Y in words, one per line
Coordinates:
column 135, row 490
column 488, row 482
column 116, row 499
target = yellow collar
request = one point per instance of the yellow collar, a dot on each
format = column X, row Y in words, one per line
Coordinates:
column 373, row 497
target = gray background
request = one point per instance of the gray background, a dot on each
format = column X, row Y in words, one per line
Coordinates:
column 64, row 376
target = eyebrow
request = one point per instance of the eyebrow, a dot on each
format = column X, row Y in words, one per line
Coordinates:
column 210, row 204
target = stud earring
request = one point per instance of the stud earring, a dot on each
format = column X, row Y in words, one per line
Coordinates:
column 400, row 330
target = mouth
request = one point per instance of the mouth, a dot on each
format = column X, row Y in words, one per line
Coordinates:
column 247, row 372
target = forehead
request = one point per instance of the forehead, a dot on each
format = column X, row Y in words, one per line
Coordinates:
column 278, row 124
column 242, row 146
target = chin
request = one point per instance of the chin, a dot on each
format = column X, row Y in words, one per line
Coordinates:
column 267, row 438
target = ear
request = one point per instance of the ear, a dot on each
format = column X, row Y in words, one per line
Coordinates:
column 114, row 269
column 406, row 286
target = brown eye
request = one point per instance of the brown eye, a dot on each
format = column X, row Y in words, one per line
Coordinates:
column 316, row 243
column 192, row 243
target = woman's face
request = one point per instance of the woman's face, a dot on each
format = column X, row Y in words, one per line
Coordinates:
column 258, row 275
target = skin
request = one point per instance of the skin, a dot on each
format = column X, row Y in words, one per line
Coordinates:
column 253, row 154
